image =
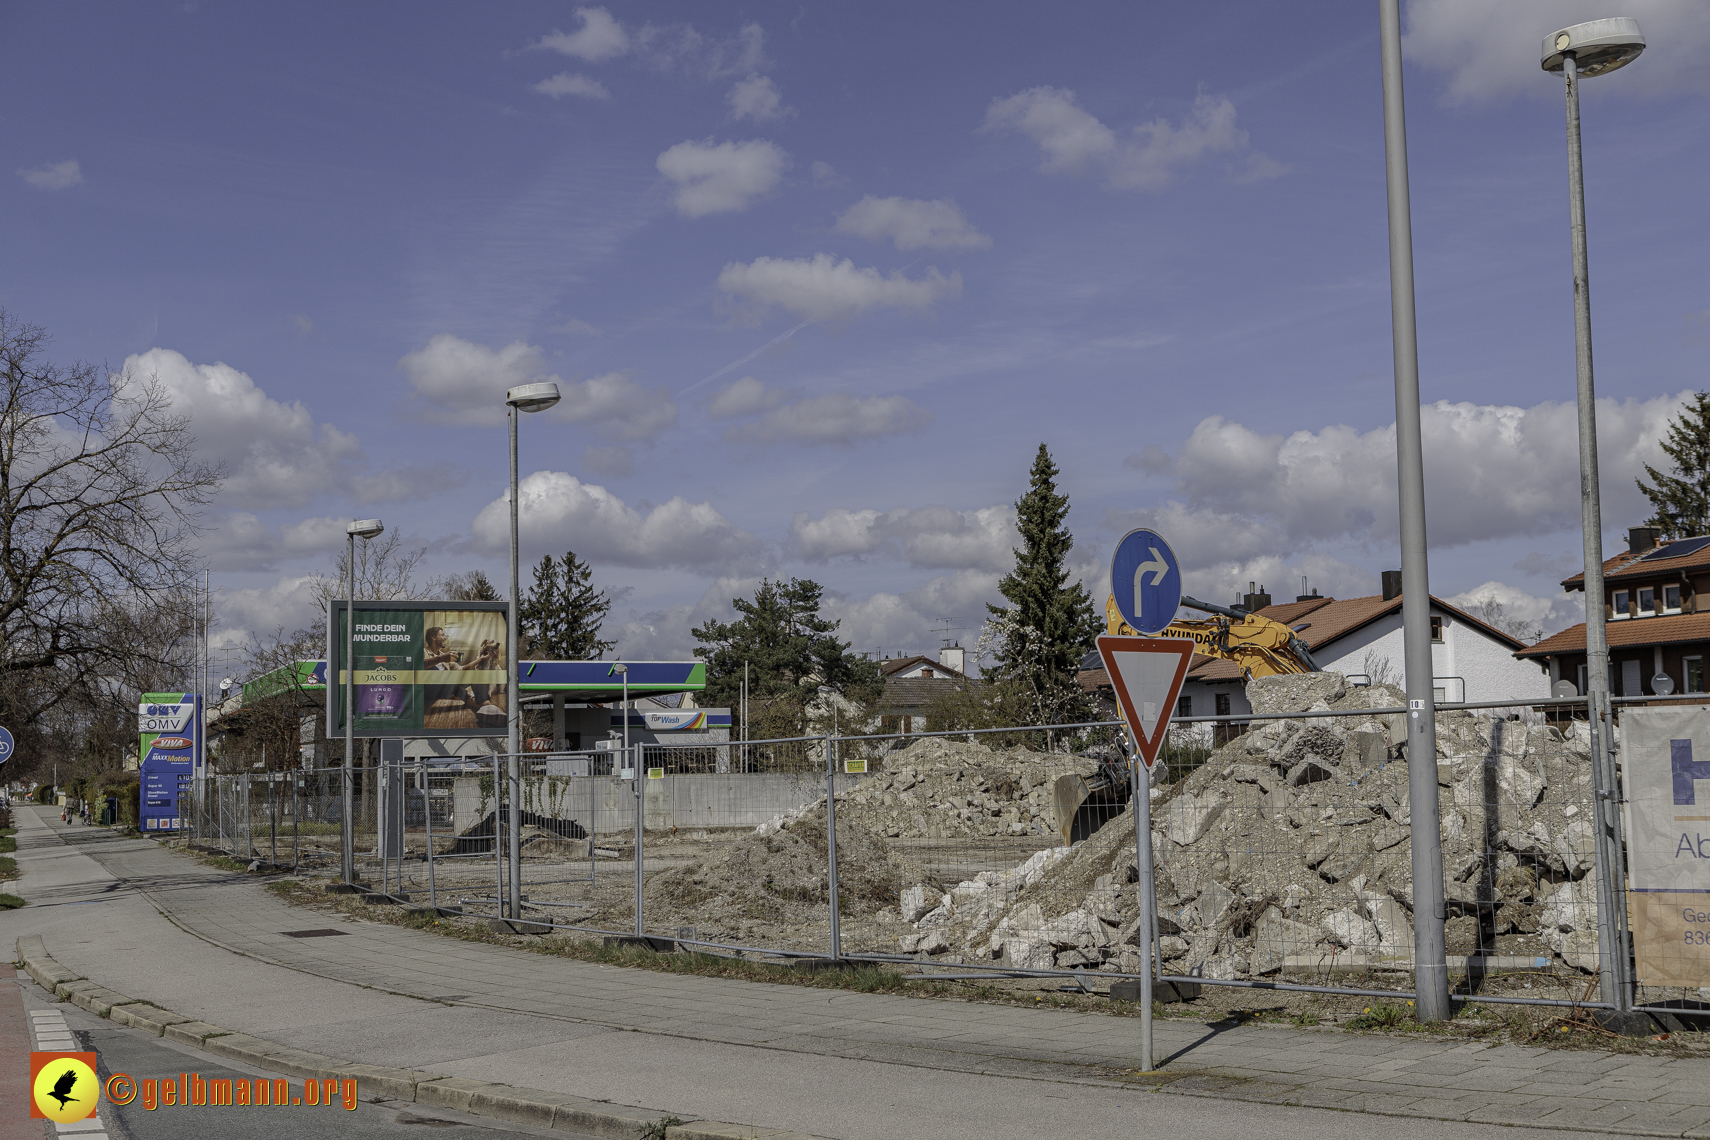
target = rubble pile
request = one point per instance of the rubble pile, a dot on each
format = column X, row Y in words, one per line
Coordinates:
column 944, row 789
column 1290, row 847
column 779, row 875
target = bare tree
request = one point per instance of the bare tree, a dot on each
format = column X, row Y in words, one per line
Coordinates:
column 100, row 498
column 385, row 572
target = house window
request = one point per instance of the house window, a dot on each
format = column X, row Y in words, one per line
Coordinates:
column 1647, row 601
column 1222, row 704
column 926, row 672
column 1436, row 628
column 1184, row 706
column 1438, row 696
column 1622, row 607
column 1694, row 670
column 1671, row 599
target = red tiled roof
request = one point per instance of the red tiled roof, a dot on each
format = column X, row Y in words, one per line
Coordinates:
column 1627, row 565
column 1627, row 633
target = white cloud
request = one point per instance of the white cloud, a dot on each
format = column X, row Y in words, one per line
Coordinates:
column 1147, row 158
column 757, row 98
column 899, row 623
column 290, row 604
column 1251, row 505
column 670, row 46
column 1492, row 50
column 560, row 512
column 274, row 452
column 835, row 417
column 54, row 176
column 1549, row 614
column 718, row 178
column 823, row 288
column 600, row 37
column 466, row 383
column 746, row 397
column 241, row 541
column 913, row 223
column 935, row 537
column 565, row 83
column 618, row 461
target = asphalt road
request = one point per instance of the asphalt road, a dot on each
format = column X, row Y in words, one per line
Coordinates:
column 121, row 1050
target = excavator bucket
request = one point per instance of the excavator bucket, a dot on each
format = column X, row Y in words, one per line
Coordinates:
column 1082, row 805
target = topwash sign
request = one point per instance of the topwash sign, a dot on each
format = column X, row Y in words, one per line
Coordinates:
column 1665, row 764
column 421, row 669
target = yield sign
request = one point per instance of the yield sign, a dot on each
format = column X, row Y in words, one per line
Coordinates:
column 1147, row 674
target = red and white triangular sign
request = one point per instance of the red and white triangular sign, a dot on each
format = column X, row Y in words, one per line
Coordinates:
column 1147, row 674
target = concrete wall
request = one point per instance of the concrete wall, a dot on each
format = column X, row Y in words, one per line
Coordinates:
column 696, row 801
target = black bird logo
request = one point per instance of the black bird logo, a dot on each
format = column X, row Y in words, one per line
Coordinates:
column 63, row 1086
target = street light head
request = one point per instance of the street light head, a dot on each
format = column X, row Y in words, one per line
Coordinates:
column 1597, row 46
column 365, row 528
column 532, row 397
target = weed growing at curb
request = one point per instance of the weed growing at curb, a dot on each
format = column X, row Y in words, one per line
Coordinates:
column 656, row 1130
column 11, row 902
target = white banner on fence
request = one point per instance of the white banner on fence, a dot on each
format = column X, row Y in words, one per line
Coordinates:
column 1665, row 766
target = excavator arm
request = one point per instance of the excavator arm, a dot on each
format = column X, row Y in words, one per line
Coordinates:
column 1260, row 646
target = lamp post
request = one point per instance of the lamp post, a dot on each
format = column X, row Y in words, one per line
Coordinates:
column 523, row 398
column 364, row 529
column 1430, row 959
column 1594, row 48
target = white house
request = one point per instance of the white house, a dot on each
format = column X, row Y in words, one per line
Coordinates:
column 1362, row 638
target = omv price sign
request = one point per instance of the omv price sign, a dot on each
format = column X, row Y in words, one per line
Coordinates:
column 1146, row 581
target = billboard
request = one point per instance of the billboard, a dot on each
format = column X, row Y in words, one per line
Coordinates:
column 421, row 669
column 1665, row 769
column 169, row 729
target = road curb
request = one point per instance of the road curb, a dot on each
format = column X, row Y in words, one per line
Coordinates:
column 482, row 1098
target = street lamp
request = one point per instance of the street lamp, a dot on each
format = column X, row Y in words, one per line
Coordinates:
column 364, row 529
column 1430, row 960
column 523, row 398
column 1593, row 48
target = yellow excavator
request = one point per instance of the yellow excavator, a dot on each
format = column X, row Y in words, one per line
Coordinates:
column 1260, row 646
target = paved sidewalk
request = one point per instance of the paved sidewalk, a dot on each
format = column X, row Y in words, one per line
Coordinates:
column 643, row 1038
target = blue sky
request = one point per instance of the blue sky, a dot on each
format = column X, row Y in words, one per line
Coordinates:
column 817, row 279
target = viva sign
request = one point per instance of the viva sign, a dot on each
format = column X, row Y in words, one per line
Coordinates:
column 169, row 729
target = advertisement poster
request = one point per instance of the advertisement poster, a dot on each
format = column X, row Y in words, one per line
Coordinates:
column 168, row 727
column 1665, row 765
column 421, row 669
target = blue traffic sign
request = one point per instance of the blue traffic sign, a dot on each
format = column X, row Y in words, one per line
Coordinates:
column 6, row 744
column 1146, row 581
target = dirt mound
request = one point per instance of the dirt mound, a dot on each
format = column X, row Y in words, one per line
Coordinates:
column 779, row 874
column 944, row 789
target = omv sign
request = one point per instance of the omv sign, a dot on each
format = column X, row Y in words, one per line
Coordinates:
column 164, row 718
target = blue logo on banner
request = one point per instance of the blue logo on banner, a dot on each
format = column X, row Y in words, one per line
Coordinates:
column 1685, row 771
column 1146, row 581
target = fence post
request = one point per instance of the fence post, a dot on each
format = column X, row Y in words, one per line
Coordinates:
column 831, row 846
column 498, row 852
column 634, row 758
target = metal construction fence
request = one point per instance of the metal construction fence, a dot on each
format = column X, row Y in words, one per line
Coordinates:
column 1282, row 846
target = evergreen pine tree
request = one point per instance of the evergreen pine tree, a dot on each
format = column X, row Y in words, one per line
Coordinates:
column 1049, row 625
column 790, row 651
column 562, row 613
column 1681, row 500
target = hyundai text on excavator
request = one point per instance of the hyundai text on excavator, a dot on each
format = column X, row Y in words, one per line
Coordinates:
column 1259, row 646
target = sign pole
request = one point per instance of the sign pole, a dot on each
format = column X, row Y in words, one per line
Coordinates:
column 1141, row 798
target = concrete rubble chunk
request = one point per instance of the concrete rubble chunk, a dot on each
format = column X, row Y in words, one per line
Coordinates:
column 1297, row 692
column 1348, row 928
column 1191, row 816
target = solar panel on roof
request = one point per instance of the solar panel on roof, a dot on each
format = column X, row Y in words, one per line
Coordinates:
column 1679, row 549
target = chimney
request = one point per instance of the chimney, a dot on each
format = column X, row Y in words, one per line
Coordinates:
column 953, row 657
column 1256, row 600
column 1641, row 539
column 1391, row 585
